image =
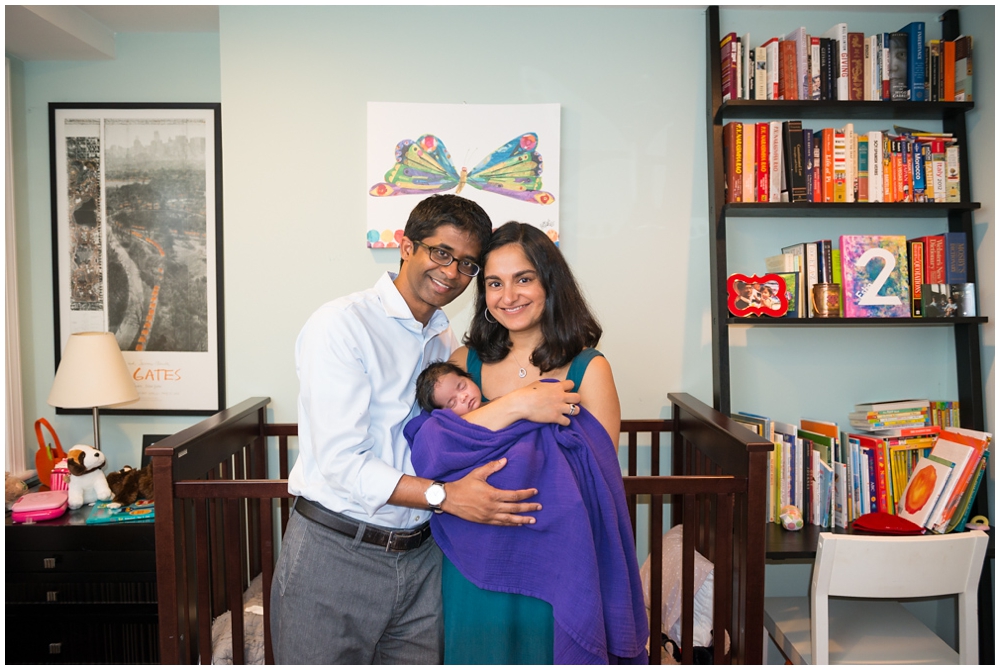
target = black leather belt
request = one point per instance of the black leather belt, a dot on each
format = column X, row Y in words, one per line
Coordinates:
column 390, row 539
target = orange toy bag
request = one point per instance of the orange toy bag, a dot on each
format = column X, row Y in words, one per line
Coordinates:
column 46, row 457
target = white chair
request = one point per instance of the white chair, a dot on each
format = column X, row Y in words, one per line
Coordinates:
column 861, row 623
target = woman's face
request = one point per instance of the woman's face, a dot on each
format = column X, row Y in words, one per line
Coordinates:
column 514, row 293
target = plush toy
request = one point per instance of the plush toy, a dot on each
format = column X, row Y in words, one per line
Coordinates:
column 129, row 484
column 15, row 488
column 87, row 483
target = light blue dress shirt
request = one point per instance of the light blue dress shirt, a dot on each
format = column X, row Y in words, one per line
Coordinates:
column 358, row 358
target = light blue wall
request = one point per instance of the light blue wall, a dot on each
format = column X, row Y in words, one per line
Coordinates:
column 151, row 67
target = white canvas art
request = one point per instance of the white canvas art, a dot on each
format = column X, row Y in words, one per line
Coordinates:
column 492, row 154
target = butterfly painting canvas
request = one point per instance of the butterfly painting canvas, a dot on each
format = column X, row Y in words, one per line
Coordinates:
column 504, row 145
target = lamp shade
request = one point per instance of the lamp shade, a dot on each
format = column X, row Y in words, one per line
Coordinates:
column 92, row 373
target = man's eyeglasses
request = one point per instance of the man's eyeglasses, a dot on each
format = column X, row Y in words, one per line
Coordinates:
column 442, row 257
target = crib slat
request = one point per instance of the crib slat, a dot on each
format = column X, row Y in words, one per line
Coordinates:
column 267, row 572
column 655, row 578
column 687, row 580
column 204, row 611
column 234, row 580
column 722, row 608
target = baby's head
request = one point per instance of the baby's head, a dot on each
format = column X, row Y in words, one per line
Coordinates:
column 445, row 385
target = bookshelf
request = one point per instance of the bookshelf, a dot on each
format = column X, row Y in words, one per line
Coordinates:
column 959, row 215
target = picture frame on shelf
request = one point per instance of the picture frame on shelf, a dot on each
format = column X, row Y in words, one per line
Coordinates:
column 136, row 194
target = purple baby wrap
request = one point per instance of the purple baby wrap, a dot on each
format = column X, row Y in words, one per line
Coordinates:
column 579, row 556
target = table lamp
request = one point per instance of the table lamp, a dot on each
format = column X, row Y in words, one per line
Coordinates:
column 92, row 373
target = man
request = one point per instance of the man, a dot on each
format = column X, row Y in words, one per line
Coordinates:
column 359, row 577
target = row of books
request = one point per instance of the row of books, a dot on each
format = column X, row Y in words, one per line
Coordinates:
column 780, row 161
column 891, row 418
column 881, row 275
column 834, row 477
column 843, row 65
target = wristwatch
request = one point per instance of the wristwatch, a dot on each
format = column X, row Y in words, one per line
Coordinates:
column 435, row 496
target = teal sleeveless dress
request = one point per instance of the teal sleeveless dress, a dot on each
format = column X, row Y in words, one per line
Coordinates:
column 489, row 627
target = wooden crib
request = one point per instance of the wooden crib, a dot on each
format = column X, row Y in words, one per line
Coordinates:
column 217, row 525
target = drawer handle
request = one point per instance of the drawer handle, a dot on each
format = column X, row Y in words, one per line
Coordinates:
column 51, row 596
column 55, row 648
column 49, row 563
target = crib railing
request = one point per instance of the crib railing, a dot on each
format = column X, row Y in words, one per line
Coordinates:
column 215, row 528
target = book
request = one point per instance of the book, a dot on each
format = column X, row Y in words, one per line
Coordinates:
column 141, row 511
column 898, row 47
column 856, row 66
column 729, row 60
column 788, row 88
column 875, row 274
column 886, row 405
column 794, row 160
column 826, row 164
column 967, row 501
column 781, row 263
column 827, row 78
column 841, row 509
column 924, row 488
column 771, row 81
column 948, row 300
column 875, row 192
column 749, row 163
column 760, row 73
column 839, row 166
column 791, row 294
column 762, row 132
column 948, row 71
column 934, row 258
column 746, row 68
column 774, row 151
column 863, row 168
column 799, row 38
column 915, row 256
column 807, row 152
column 815, row 80
column 733, row 146
column 839, row 64
column 963, row 68
column 956, row 269
column 934, row 70
column 938, row 177
column 964, row 448
column 912, row 431
column 952, row 177
column 915, row 64
column 851, row 163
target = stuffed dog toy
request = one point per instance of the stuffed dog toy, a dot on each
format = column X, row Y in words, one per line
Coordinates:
column 129, row 484
column 87, row 483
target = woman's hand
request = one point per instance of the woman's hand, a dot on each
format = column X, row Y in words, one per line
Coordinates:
column 473, row 499
column 541, row 402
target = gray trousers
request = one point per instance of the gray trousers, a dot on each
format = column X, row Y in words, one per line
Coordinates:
column 337, row 600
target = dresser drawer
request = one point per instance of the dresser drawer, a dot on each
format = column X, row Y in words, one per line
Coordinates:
column 57, row 561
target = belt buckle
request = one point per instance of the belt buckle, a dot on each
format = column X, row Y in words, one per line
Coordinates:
column 389, row 543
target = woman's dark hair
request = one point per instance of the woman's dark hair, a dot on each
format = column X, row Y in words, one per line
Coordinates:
column 568, row 325
column 428, row 379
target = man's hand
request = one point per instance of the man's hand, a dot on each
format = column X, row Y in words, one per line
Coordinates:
column 473, row 499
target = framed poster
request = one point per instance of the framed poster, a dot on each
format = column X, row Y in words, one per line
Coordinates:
column 137, row 244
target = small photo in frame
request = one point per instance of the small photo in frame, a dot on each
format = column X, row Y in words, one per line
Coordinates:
column 948, row 300
column 757, row 295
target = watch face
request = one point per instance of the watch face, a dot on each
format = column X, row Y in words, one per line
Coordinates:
column 434, row 495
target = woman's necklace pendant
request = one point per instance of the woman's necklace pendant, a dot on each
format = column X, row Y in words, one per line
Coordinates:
column 522, row 373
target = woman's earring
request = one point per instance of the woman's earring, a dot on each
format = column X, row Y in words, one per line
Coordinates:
column 487, row 313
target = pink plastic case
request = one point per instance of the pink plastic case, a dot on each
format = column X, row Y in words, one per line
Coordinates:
column 40, row 506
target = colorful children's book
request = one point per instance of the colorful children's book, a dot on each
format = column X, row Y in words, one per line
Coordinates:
column 876, row 276
column 141, row 511
column 964, row 448
column 922, row 492
column 965, row 505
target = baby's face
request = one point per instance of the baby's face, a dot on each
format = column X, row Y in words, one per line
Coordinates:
column 457, row 393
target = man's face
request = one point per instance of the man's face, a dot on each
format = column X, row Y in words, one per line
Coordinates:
column 426, row 285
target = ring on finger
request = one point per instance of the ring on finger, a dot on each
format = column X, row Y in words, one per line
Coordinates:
column 573, row 409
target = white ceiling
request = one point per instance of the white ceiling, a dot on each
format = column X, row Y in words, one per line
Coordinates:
column 87, row 32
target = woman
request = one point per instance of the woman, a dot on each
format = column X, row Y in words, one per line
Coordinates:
column 531, row 322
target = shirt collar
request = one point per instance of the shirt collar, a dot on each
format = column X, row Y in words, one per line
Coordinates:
column 396, row 308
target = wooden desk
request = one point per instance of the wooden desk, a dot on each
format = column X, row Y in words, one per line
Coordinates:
column 785, row 545
column 80, row 594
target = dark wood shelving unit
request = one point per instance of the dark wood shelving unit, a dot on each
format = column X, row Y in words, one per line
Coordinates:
column 959, row 216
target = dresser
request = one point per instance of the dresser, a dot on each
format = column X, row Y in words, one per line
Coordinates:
column 80, row 594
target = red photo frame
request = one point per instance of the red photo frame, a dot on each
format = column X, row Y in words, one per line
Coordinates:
column 754, row 296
